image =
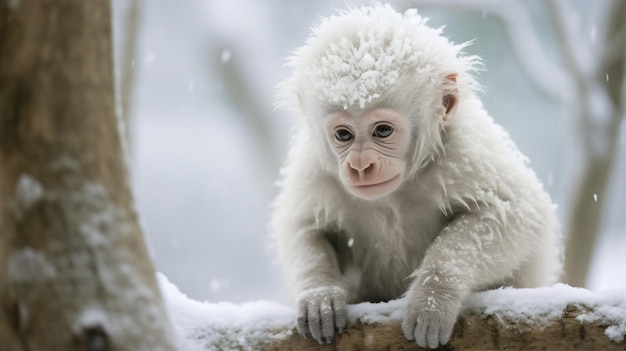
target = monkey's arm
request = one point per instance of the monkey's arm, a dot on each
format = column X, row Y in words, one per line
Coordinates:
column 313, row 271
column 310, row 258
column 475, row 250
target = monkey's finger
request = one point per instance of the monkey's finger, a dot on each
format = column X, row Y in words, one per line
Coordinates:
column 408, row 326
column 313, row 318
column 328, row 325
column 420, row 333
column 339, row 306
column 432, row 335
column 444, row 335
column 302, row 325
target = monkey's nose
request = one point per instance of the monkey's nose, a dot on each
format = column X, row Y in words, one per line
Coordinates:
column 360, row 171
column 362, row 166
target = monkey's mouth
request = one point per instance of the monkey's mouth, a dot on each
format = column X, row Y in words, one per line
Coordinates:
column 365, row 186
column 375, row 190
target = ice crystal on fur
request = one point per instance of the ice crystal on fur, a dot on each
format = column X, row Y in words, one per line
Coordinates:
column 357, row 68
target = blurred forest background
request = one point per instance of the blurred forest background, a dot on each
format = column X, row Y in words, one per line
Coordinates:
column 197, row 79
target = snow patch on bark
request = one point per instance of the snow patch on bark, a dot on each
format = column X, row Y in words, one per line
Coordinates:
column 65, row 163
column 28, row 265
column 92, row 317
column 28, row 191
column 102, row 217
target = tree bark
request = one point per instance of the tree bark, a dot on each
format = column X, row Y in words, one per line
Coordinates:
column 472, row 332
column 127, row 66
column 74, row 270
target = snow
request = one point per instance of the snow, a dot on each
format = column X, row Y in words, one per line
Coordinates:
column 524, row 308
column 97, row 223
column 28, row 191
column 367, row 312
column 217, row 284
column 225, row 57
column 92, row 318
column 149, row 58
column 28, row 265
column 226, row 326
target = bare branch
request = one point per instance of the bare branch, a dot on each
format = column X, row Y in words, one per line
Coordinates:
column 577, row 57
column 601, row 134
column 615, row 49
column 547, row 75
column 255, row 115
column 475, row 330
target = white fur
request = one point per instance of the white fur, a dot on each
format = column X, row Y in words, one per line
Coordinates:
column 471, row 215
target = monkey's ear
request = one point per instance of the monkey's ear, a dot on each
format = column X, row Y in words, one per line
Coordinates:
column 450, row 98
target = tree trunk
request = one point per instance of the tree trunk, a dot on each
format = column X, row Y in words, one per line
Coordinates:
column 74, row 270
column 127, row 66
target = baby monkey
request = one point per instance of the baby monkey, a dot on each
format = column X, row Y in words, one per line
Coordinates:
column 398, row 183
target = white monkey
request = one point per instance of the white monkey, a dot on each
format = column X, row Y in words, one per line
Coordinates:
column 398, row 181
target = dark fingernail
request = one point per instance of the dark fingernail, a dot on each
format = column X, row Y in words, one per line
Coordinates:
column 340, row 330
column 329, row 340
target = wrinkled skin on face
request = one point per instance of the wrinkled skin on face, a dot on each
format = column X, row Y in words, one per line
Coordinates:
column 371, row 150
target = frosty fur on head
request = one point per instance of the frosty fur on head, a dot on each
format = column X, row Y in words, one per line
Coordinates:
column 375, row 45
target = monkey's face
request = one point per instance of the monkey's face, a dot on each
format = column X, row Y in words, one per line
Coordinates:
column 371, row 150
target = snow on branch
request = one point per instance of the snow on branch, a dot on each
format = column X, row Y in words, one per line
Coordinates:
column 558, row 318
column 545, row 73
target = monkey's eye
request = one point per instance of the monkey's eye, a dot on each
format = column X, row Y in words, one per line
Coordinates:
column 343, row 135
column 383, row 131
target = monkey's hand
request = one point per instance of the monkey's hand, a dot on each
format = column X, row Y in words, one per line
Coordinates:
column 320, row 310
column 431, row 313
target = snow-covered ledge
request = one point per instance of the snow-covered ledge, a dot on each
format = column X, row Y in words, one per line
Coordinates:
column 555, row 318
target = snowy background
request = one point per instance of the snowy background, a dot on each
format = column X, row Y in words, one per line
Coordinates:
column 206, row 145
